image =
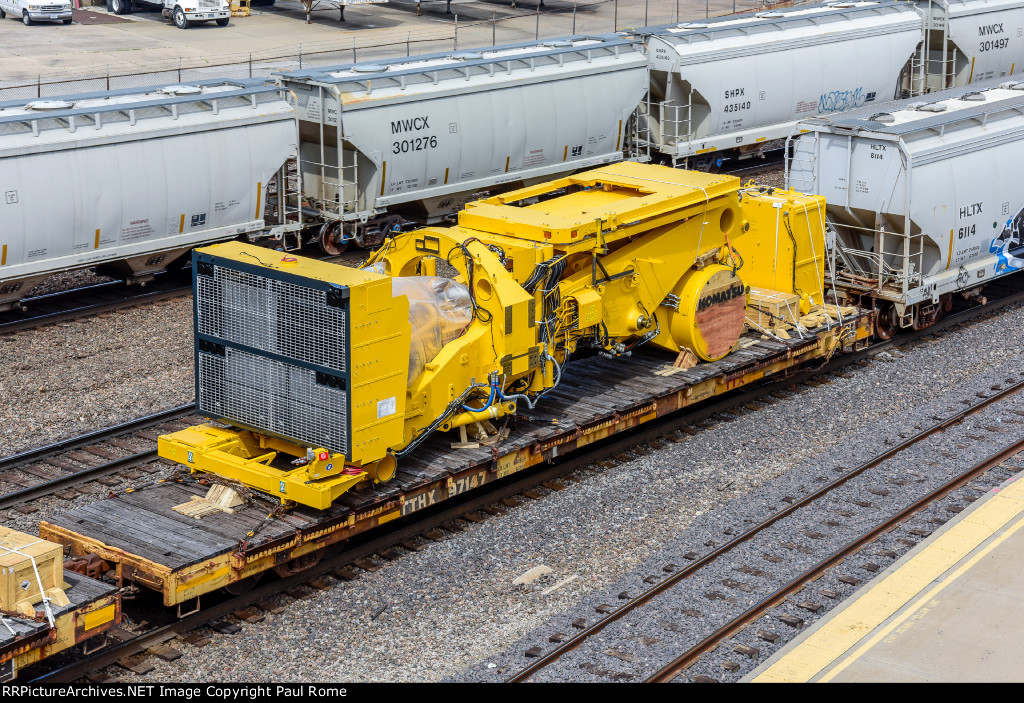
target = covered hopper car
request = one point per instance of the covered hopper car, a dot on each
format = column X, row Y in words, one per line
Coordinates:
column 419, row 136
column 128, row 181
column 924, row 197
column 738, row 82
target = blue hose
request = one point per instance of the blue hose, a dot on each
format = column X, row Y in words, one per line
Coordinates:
column 490, row 401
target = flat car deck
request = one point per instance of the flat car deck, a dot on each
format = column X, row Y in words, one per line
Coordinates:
column 183, row 557
column 94, row 607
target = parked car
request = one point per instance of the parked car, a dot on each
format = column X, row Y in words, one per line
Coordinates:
column 32, row 11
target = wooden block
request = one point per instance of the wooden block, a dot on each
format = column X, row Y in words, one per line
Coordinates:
column 250, row 615
column 767, row 308
column 196, row 640
column 136, row 665
column 168, row 654
column 34, row 556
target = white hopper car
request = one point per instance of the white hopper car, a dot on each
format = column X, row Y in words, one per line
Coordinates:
column 132, row 180
column 967, row 41
column 740, row 81
column 723, row 88
column 924, row 197
column 422, row 135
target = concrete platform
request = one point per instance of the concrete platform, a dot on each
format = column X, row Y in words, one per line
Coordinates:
column 948, row 611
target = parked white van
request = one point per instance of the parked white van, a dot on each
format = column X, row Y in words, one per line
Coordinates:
column 32, row 11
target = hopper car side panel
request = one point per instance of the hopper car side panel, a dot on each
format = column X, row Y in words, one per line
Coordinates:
column 426, row 132
column 973, row 40
column 730, row 83
column 496, row 136
column 924, row 194
column 137, row 197
column 134, row 178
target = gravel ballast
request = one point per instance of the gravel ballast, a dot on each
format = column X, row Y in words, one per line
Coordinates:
column 451, row 610
column 74, row 377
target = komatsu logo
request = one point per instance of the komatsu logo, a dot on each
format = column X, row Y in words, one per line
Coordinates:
column 990, row 29
column 722, row 296
column 414, row 125
column 970, row 210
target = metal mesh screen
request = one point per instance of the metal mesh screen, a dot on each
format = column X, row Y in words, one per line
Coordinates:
column 272, row 316
column 273, row 396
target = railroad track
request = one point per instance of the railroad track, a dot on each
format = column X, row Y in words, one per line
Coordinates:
column 99, row 298
column 790, row 590
column 128, row 449
column 476, row 506
column 788, row 521
column 90, row 300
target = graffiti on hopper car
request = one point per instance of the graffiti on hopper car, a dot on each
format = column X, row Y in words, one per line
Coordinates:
column 842, row 100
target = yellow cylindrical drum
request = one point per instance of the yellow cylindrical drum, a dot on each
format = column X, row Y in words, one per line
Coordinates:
column 711, row 311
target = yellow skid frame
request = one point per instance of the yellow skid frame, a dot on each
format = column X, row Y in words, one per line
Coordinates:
column 246, row 457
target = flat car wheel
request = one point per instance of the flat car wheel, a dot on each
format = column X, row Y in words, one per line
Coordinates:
column 25, row 19
column 223, row 22
column 180, row 21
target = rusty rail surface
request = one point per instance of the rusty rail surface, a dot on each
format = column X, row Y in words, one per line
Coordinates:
column 404, row 528
column 638, row 601
column 677, row 665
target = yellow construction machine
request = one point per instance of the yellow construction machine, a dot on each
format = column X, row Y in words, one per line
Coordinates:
column 326, row 375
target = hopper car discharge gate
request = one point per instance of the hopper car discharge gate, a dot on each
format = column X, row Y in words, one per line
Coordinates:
column 328, row 375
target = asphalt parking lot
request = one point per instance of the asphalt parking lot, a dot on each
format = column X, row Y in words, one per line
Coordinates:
column 99, row 42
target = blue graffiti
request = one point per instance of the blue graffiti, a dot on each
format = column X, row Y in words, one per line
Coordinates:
column 842, row 100
column 1010, row 238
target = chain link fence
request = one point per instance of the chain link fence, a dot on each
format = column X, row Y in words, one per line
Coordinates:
column 594, row 17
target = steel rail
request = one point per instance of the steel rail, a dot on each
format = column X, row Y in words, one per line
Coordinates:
column 645, row 597
column 399, row 530
column 11, row 463
column 673, row 668
column 445, row 512
column 128, row 299
column 64, row 445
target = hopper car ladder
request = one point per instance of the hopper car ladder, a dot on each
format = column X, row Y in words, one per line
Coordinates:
column 922, row 67
column 339, row 176
column 284, row 195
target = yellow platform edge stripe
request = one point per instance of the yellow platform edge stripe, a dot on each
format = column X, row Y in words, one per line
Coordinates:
column 839, row 635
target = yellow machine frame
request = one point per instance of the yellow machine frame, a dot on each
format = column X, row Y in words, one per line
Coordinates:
column 612, row 258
